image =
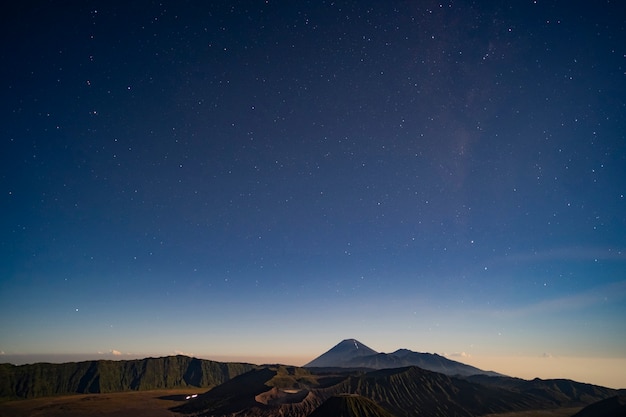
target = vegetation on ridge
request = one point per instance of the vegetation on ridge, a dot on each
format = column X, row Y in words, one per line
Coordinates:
column 104, row 376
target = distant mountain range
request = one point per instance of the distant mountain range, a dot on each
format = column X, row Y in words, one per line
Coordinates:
column 50, row 379
column 350, row 353
column 342, row 382
column 337, row 383
column 408, row 392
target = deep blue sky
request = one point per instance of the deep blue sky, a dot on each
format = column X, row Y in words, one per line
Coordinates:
column 267, row 178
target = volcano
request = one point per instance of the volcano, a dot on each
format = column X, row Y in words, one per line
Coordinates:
column 341, row 354
column 350, row 353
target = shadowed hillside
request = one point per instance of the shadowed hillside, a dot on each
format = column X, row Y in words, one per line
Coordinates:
column 414, row 392
column 261, row 392
column 409, row 392
column 555, row 392
column 48, row 379
column 611, row 407
column 350, row 405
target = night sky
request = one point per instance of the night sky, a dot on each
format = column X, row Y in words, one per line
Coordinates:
column 258, row 180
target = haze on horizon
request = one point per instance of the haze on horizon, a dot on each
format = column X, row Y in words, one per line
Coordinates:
column 264, row 179
column 607, row 372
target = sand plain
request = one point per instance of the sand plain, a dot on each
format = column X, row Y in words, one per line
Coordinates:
column 121, row 404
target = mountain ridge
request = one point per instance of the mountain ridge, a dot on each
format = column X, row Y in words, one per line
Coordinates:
column 248, row 390
column 350, row 405
column 101, row 376
column 409, row 392
column 347, row 354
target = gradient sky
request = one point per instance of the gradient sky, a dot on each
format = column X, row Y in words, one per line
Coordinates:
column 266, row 178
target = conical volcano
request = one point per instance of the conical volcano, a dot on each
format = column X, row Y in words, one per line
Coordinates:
column 341, row 353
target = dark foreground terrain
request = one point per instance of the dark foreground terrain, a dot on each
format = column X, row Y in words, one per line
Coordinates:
column 121, row 404
column 152, row 404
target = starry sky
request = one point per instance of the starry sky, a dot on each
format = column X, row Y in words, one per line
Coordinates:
column 258, row 180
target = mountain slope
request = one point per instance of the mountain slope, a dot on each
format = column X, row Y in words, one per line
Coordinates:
column 555, row 392
column 261, row 392
column 342, row 352
column 233, row 396
column 413, row 391
column 407, row 392
column 429, row 361
column 349, row 405
column 49, row 379
column 351, row 353
column 611, row 407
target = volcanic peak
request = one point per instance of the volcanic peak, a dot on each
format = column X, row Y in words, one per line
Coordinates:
column 342, row 352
